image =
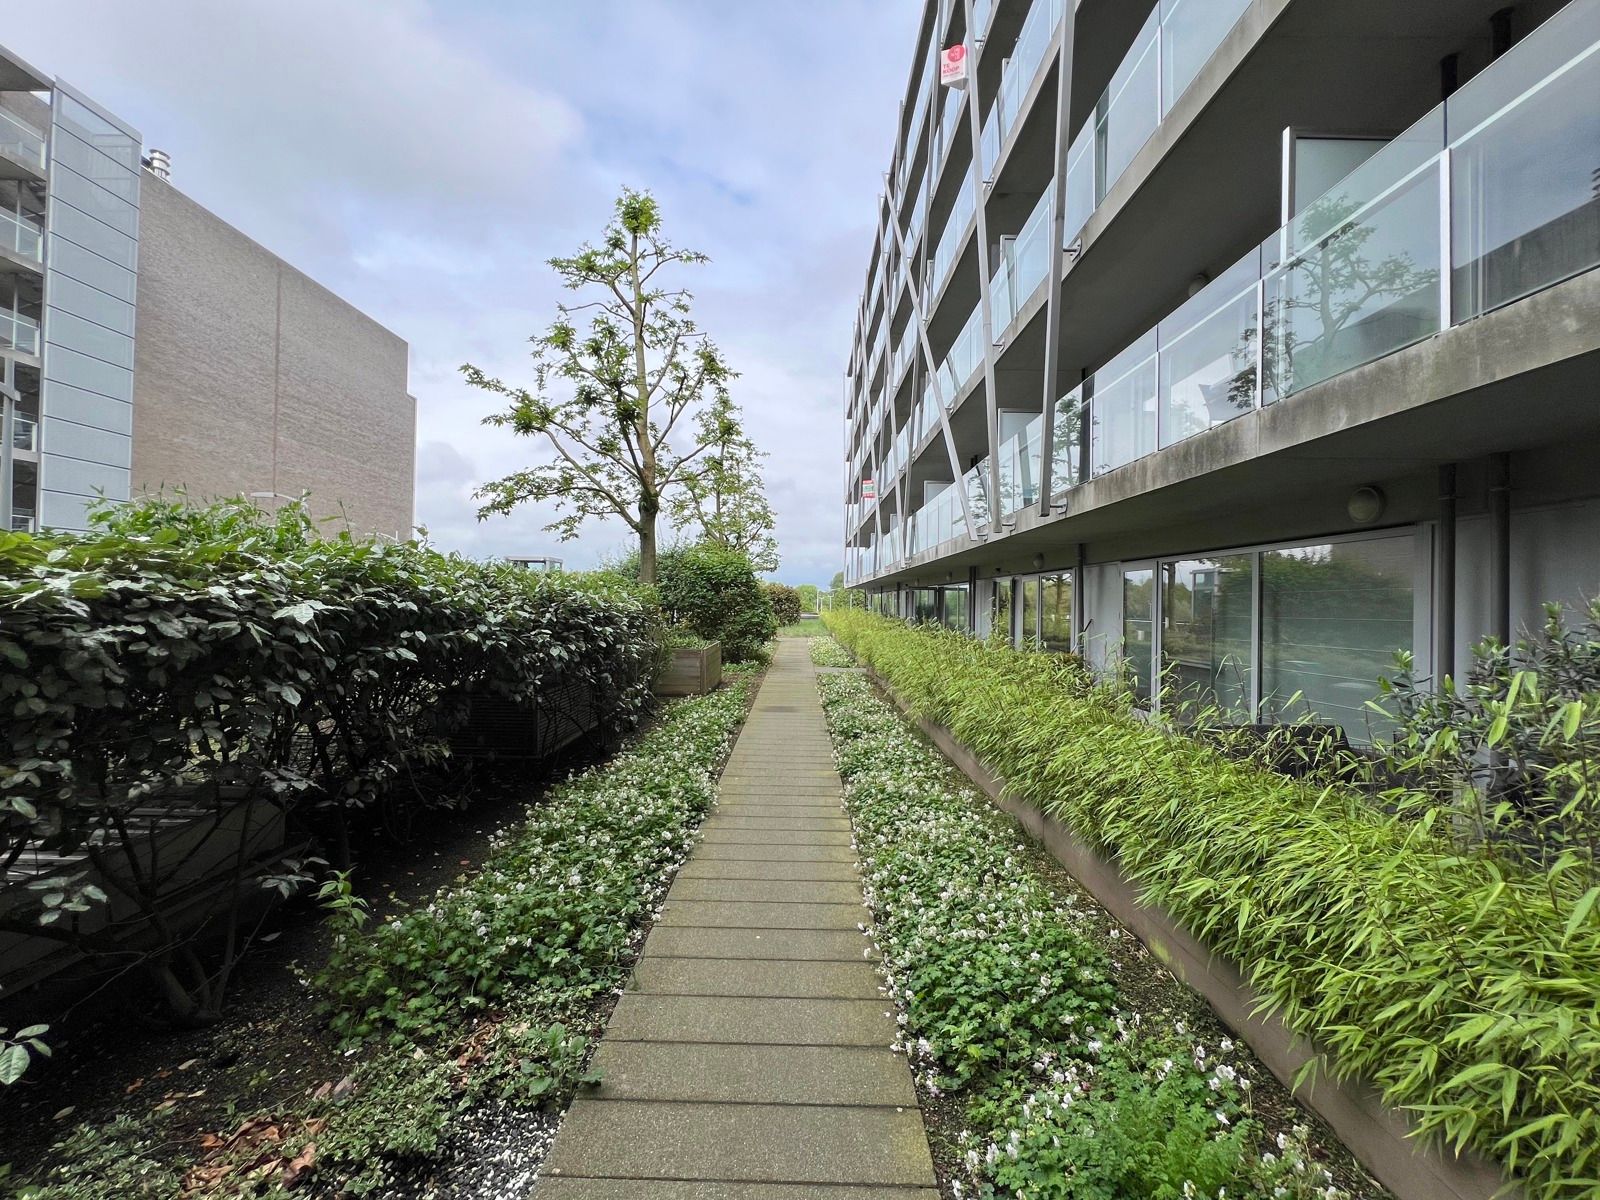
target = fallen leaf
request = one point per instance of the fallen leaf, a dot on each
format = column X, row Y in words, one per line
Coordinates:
column 187, row 1063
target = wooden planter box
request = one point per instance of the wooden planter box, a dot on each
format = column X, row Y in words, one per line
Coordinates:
column 692, row 672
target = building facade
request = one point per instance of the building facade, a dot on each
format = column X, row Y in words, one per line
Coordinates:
column 147, row 344
column 1236, row 343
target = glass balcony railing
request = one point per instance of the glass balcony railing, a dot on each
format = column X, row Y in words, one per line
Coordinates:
column 24, row 433
column 21, row 141
column 949, row 123
column 18, row 332
column 954, row 236
column 1355, row 277
column 1024, row 264
column 21, row 236
column 1175, row 42
column 1016, row 77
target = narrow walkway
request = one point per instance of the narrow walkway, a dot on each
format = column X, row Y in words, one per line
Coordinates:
column 749, row 1058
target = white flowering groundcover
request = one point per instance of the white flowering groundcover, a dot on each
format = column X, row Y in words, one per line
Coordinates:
column 1007, row 988
column 826, row 652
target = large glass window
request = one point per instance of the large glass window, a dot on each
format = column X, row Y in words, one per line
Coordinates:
column 925, row 605
column 1207, row 643
column 1138, row 627
column 1000, row 621
column 955, row 607
column 1029, row 631
column 1055, row 613
column 1332, row 617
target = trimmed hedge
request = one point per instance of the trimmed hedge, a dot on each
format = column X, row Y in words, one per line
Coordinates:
column 1467, row 991
column 714, row 592
column 220, row 657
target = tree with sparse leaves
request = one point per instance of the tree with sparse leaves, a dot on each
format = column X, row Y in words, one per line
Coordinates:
column 727, row 500
column 608, row 399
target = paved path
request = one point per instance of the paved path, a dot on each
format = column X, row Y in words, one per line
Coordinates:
column 749, row 1059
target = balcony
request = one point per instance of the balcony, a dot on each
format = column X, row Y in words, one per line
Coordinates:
column 21, row 148
column 18, row 332
column 1016, row 78
column 24, row 434
column 21, row 238
column 1175, row 42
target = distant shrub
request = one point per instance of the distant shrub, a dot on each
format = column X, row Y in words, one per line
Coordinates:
column 786, row 606
column 714, row 592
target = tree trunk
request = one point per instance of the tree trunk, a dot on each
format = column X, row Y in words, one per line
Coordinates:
column 647, row 549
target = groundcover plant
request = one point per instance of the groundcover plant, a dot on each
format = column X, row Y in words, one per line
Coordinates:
column 825, row 652
column 1009, row 1007
column 1464, row 985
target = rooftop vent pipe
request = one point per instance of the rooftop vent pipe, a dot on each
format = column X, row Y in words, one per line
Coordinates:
column 160, row 164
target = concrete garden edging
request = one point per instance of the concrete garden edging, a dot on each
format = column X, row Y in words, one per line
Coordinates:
column 1379, row 1136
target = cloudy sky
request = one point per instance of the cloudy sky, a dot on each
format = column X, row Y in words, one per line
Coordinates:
column 423, row 158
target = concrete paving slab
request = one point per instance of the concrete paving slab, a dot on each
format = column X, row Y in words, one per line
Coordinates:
column 767, row 852
column 776, row 837
column 747, row 868
column 796, row 979
column 641, row 1017
column 742, row 914
column 767, row 890
column 572, row 1188
column 848, row 1075
column 736, row 820
column 812, row 945
column 755, row 1143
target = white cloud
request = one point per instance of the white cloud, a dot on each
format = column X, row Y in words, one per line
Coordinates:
column 424, row 159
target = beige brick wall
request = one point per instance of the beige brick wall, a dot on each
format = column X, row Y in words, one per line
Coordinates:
column 250, row 377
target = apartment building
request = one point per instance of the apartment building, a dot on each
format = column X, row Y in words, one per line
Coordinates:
column 1236, row 343
column 147, row 344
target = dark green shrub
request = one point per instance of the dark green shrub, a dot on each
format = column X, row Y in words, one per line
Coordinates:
column 234, row 663
column 1466, row 986
column 713, row 591
column 785, row 600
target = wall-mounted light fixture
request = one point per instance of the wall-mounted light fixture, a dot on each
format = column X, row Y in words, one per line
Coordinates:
column 1366, row 504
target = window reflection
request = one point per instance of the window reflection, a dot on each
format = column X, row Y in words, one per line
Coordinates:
column 1332, row 617
column 1138, row 627
column 1055, row 613
column 1207, row 652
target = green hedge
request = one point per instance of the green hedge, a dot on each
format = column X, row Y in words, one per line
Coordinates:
column 220, row 657
column 1468, row 992
column 714, row 592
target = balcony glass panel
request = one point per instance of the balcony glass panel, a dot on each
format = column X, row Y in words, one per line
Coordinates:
column 1023, row 64
column 989, row 142
column 1208, row 356
column 18, row 332
column 1067, row 458
column 1207, row 633
column 952, row 239
column 1124, row 406
column 1524, row 190
column 1191, row 31
column 1130, row 110
column 949, row 122
column 20, row 140
column 1410, row 153
column 1081, row 195
column 1019, row 468
column 1366, row 289
column 21, row 236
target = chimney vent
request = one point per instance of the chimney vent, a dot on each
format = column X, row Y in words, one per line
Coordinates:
column 160, row 164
